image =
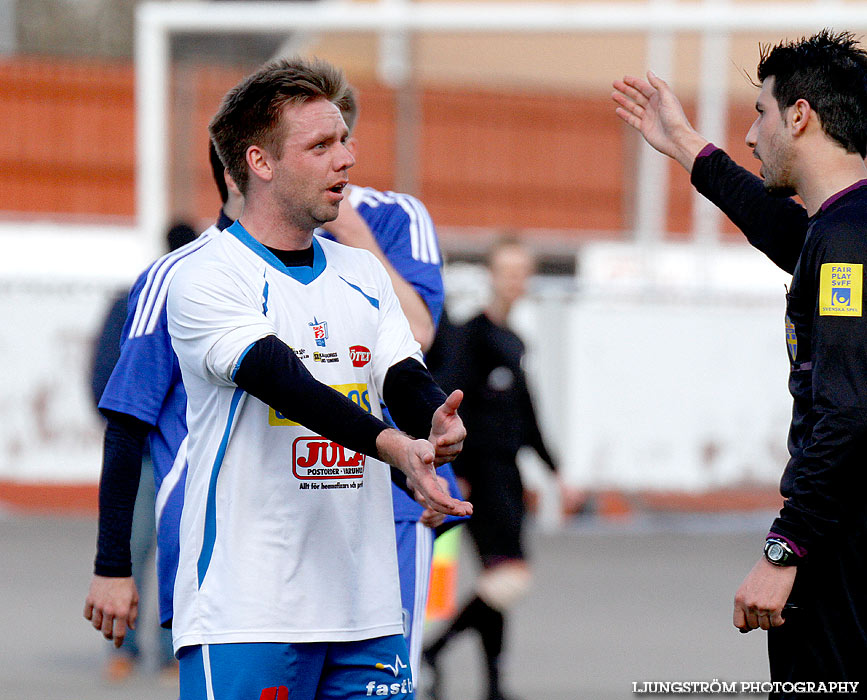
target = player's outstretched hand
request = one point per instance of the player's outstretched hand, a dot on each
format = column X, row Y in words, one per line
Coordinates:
column 112, row 606
column 431, row 518
column 447, row 430
column 415, row 458
column 651, row 108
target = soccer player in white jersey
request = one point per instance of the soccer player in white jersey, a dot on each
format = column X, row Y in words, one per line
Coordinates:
column 287, row 580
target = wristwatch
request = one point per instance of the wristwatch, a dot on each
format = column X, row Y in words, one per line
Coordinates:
column 779, row 553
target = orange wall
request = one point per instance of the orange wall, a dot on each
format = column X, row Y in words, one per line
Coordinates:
column 487, row 158
column 66, row 137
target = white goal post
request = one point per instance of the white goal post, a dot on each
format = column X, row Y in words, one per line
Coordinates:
column 714, row 20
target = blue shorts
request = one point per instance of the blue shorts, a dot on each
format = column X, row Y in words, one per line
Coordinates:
column 303, row 671
column 414, row 559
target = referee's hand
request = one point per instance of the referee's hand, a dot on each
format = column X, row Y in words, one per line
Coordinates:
column 760, row 599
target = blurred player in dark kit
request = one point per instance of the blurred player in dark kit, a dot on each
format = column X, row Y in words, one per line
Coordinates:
column 809, row 589
column 486, row 363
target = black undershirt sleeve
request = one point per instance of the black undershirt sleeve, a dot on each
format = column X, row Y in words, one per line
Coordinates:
column 272, row 373
column 777, row 226
column 534, row 434
column 412, row 397
column 121, row 472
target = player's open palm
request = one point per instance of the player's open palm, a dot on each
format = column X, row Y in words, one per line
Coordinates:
column 425, row 482
column 651, row 107
column 447, row 431
column 112, row 606
column 415, row 458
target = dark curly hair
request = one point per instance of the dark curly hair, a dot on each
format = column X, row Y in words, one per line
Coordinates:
column 828, row 70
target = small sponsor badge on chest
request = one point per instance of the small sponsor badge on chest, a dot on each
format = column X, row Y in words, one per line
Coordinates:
column 840, row 286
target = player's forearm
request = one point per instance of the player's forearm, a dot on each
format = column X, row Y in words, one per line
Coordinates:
column 686, row 144
column 412, row 396
column 390, row 447
column 272, row 373
column 118, row 486
column 777, row 226
column 534, row 434
column 815, row 483
column 420, row 321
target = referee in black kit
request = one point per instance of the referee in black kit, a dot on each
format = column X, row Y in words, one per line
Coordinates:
column 809, row 589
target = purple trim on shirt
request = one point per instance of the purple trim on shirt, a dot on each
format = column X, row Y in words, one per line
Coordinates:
column 800, row 552
column 834, row 197
column 706, row 151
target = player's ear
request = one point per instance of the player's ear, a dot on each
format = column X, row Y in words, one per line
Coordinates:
column 352, row 146
column 259, row 163
column 799, row 116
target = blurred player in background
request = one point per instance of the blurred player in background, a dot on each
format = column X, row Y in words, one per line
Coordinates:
column 142, row 542
column 144, row 402
column 486, row 363
column 288, row 579
column 809, row 589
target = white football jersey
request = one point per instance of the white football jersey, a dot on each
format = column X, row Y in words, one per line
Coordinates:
column 285, row 536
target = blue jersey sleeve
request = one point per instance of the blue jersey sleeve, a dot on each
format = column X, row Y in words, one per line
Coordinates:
column 147, row 368
column 405, row 232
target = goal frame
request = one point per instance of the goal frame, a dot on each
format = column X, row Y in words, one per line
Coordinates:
column 394, row 20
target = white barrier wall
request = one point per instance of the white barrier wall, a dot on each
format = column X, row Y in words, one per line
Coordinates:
column 641, row 383
column 669, row 396
column 49, row 430
column 55, row 284
column 662, row 369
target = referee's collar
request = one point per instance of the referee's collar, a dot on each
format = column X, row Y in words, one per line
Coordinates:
column 303, row 274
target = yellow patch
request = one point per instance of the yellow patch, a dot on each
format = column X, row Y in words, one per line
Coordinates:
column 840, row 286
column 357, row 393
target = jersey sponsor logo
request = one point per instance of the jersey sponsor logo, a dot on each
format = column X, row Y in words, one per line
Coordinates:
column 301, row 353
column 314, row 457
column 385, row 689
column 326, row 357
column 320, row 331
column 359, row 355
column 357, row 393
column 404, row 687
column 278, row 693
column 840, row 289
column 791, row 339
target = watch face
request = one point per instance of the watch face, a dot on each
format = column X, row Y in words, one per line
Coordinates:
column 775, row 552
